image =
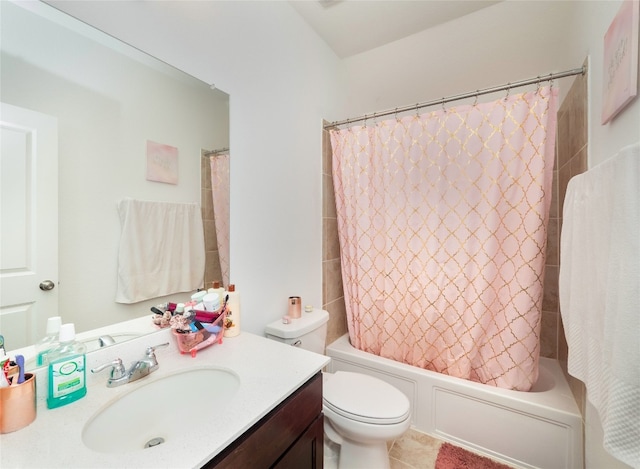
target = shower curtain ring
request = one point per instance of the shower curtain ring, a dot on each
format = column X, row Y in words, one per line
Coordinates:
column 417, row 107
column 475, row 101
column 508, row 91
column 443, row 108
column 395, row 114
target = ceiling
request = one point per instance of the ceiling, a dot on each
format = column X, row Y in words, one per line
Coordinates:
column 350, row 27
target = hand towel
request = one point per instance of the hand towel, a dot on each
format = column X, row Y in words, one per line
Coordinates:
column 600, row 295
column 161, row 249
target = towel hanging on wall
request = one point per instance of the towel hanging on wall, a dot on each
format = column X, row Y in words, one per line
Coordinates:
column 161, row 249
column 600, row 295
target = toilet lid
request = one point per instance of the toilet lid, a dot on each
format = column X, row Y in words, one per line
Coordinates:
column 364, row 398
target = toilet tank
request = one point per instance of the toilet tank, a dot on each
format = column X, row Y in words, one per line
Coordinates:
column 308, row 332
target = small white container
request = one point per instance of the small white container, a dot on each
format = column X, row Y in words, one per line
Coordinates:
column 198, row 296
column 211, row 302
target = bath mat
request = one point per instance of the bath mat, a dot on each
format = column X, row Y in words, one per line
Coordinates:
column 454, row 457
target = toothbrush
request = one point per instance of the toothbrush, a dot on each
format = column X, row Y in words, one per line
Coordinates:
column 20, row 363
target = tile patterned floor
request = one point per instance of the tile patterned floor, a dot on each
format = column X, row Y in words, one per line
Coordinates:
column 413, row 450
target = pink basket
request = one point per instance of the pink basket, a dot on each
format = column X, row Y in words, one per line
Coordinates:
column 191, row 342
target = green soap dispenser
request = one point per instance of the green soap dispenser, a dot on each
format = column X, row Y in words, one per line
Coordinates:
column 67, row 369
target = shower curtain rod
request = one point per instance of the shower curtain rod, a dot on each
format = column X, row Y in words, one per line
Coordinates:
column 215, row 152
column 471, row 94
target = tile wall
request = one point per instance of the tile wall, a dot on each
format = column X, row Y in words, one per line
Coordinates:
column 212, row 261
column 572, row 147
column 332, row 292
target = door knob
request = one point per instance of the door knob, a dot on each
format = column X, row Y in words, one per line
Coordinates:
column 47, row 285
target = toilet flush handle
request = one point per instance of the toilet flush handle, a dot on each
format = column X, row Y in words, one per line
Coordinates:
column 297, row 343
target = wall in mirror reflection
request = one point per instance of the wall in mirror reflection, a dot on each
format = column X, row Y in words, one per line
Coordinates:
column 109, row 100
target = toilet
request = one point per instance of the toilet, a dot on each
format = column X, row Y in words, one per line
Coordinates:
column 361, row 412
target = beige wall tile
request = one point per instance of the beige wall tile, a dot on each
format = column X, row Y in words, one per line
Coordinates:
column 210, row 238
column 331, row 280
column 550, row 295
column 212, row 270
column 328, row 198
column 337, row 326
column 330, row 243
column 549, row 335
column 326, row 152
column 554, row 210
column 553, row 241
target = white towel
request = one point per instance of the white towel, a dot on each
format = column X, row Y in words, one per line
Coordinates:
column 161, row 249
column 600, row 295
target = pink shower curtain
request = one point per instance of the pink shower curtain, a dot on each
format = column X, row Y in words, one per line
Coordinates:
column 442, row 224
column 220, row 195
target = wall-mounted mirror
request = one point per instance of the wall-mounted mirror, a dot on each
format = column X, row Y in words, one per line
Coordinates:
column 101, row 102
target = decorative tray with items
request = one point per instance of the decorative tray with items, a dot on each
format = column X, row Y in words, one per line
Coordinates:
column 195, row 325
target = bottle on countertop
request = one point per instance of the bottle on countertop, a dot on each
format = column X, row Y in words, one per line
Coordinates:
column 232, row 321
column 49, row 341
column 67, row 369
column 216, row 288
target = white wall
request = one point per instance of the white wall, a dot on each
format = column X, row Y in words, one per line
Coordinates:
column 107, row 106
column 283, row 80
column 507, row 42
column 590, row 23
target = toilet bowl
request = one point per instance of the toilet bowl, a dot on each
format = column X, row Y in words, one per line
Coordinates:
column 362, row 413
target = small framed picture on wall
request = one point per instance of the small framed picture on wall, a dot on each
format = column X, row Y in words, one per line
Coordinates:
column 162, row 163
column 620, row 79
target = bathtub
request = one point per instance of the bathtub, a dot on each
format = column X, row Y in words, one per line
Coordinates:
column 541, row 428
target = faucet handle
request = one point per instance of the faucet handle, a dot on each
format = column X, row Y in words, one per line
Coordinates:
column 117, row 370
column 151, row 350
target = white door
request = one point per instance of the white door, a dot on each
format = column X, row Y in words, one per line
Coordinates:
column 28, row 224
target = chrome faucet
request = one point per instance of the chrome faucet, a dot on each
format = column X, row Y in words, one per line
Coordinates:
column 139, row 369
column 105, row 340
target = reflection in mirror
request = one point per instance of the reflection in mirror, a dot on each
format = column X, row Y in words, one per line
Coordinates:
column 216, row 173
column 102, row 101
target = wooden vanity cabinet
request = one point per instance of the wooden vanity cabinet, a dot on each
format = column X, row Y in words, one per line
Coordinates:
column 289, row 437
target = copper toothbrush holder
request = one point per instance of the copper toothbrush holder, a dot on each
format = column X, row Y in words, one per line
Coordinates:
column 295, row 307
column 18, row 404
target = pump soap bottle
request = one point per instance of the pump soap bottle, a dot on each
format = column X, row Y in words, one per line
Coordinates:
column 219, row 290
column 49, row 341
column 67, row 369
column 232, row 321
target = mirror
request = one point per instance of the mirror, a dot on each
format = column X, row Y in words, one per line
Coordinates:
column 109, row 101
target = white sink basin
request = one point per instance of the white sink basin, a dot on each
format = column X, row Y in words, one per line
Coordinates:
column 164, row 411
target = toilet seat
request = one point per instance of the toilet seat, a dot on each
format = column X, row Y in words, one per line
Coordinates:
column 365, row 399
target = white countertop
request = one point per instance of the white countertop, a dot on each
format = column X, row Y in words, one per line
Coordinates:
column 269, row 372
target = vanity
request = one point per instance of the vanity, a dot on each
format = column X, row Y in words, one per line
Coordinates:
column 263, row 408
